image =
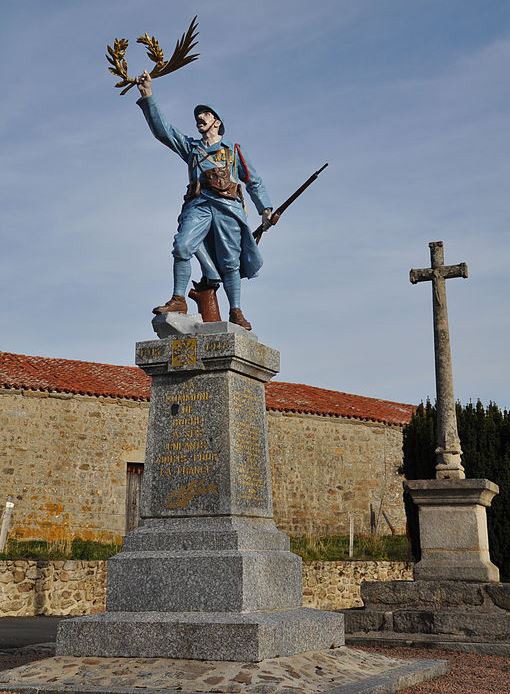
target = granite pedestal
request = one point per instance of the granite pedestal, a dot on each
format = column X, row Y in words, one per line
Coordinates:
column 206, row 575
column 453, row 529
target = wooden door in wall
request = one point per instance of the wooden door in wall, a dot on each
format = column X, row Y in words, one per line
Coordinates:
column 133, row 491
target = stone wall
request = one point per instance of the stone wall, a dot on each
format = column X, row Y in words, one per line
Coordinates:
column 327, row 467
column 30, row 588
column 63, row 459
column 335, row 585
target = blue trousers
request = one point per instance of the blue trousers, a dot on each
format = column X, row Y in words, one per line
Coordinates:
column 198, row 220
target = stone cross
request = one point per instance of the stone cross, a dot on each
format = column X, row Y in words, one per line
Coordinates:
column 448, row 451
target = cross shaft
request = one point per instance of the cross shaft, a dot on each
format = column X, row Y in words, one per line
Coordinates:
column 448, row 451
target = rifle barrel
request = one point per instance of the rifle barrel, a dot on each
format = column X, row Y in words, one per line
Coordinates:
column 257, row 234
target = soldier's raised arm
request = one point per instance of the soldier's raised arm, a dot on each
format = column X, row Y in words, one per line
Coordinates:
column 160, row 128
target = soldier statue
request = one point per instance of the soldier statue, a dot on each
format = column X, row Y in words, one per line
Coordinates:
column 212, row 224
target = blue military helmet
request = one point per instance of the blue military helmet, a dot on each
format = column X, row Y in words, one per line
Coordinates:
column 205, row 107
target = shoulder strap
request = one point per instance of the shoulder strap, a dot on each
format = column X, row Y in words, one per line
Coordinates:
column 237, row 149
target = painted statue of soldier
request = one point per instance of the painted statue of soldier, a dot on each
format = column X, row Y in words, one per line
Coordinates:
column 212, row 225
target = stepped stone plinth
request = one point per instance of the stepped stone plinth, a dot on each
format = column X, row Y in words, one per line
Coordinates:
column 455, row 600
column 453, row 614
column 206, row 575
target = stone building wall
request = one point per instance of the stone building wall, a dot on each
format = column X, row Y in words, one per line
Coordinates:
column 327, row 467
column 63, row 459
column 29, row 588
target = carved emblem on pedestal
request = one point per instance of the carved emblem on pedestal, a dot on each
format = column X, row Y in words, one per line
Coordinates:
column 184, row 352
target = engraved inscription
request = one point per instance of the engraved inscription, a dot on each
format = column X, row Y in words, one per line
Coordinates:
column 188, row 396
column 187, row 460
column 249, row 447
column 216, row 346
column 147, row 353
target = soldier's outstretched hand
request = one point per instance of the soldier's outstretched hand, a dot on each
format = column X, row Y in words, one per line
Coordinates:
column 144, row 84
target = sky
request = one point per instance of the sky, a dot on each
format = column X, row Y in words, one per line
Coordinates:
column 407, row 100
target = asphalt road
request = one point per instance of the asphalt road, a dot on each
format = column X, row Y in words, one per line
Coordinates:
column 25, row 631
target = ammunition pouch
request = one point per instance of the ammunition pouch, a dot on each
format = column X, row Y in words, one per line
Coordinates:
column 218, row 180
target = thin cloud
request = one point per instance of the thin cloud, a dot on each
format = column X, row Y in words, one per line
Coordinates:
column 418, row 146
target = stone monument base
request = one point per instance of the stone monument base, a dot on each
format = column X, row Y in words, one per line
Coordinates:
column 452, row 614
column 204, row 564
column 453, row 529
column 207, row 575
column 249, row 637
column 338, row 671
column 205, row 588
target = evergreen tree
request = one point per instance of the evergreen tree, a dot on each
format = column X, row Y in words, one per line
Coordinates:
column 419, row 464
column 485, row 439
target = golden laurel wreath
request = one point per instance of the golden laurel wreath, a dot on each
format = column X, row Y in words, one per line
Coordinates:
column 180, row 57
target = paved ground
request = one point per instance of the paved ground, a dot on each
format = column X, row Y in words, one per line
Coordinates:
column 342, row 670
column 470, row 673
column 23, row 631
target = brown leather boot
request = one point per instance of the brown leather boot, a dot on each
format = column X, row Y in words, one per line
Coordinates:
column 177, row 304
column 207, row 303
column 236, row 316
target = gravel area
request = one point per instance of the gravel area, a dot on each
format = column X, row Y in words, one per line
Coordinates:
column 470, row 673
column 15, row 658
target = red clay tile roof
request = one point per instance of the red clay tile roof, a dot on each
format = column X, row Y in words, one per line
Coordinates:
column 296, row 397
column 90, row 378
column 70, row 376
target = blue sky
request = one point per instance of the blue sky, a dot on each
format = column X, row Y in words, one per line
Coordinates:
column 407, row 100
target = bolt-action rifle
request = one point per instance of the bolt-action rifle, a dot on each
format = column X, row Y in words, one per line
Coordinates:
column 257, row 234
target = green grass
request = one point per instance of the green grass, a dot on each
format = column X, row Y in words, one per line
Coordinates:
column 43, row 551
column 310, row 548
column 366, row 547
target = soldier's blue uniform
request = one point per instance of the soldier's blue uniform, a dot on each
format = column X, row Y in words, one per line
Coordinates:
column 212, row 227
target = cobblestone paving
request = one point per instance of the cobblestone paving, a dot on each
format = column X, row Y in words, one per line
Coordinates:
column 308, row 673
